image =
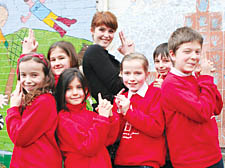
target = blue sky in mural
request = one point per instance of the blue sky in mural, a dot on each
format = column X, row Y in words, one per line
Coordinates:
column 82, row 10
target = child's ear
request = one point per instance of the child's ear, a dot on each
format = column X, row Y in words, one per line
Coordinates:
column 172, row 55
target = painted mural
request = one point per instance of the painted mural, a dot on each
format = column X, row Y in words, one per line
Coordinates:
column 51, row 21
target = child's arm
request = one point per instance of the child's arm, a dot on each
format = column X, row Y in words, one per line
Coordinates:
column 24, row 19
column 151, row 123
column 34, row 122
column 196, row 105
column 75, row 136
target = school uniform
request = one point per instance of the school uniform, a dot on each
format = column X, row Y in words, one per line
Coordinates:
column 83, row 137
column 190, row 105
column 142, row 140
column 33, row 134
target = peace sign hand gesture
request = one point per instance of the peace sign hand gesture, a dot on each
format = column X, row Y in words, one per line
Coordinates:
column 127, row 46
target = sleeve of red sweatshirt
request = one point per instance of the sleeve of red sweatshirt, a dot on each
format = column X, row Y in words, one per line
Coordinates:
column 198, row 107
column 114, row 129
column 77, row 136
column 218, row 99
column 151, row 123
column 35, row 121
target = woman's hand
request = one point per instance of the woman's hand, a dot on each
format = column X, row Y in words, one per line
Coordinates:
column 127, row 46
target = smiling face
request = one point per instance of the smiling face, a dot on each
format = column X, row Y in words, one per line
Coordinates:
column 162, row 65
column 59, row 61
column 133, row 74
column 31, row 75
column 74, row 94
column 187, row 56
column 102, row 35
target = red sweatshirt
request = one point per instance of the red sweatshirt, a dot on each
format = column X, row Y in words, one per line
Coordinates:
column 33, row 134
column 189, row 105
column 83, row 137
column 142, row 140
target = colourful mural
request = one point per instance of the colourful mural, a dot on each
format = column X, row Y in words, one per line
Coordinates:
column 44, row 14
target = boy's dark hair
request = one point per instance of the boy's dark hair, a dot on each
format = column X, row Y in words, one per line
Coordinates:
column 64, row 80
column 161, row 49
column 183, row 35
column 69, row 49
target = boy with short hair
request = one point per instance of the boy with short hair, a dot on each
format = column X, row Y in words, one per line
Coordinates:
column 190, row 104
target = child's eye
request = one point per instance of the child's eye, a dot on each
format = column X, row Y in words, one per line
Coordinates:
column 156, row 61
column 61, row 58
column 34, row 75
column 102, row 29
column 22, row 75
column 111, row 31
column 126, row 73
column 198, row 52
column 52, row 59
column 138, row 73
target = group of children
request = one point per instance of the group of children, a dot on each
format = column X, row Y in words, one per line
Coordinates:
column 173, row 116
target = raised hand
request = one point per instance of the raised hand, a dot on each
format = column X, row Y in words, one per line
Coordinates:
column 127, row 46
column 105, row 107
column 158, row 82
column 29, row 44
column 122, row 103
column 3, row 100
column 206, row 66
column 16, row 96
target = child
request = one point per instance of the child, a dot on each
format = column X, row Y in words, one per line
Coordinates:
column 44, row 14
column 83, row 135
column 61, row 55
column 162, row 62
column 32, row 117
column 190, row 104
column 142, row 141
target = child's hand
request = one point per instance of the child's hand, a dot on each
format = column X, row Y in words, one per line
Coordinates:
column 16, row 96
column 3, row 100
column 122, row 103
column 127, row 46
column 158, row 82
column 207, row 67
column 29, row 44
column 105, row 107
